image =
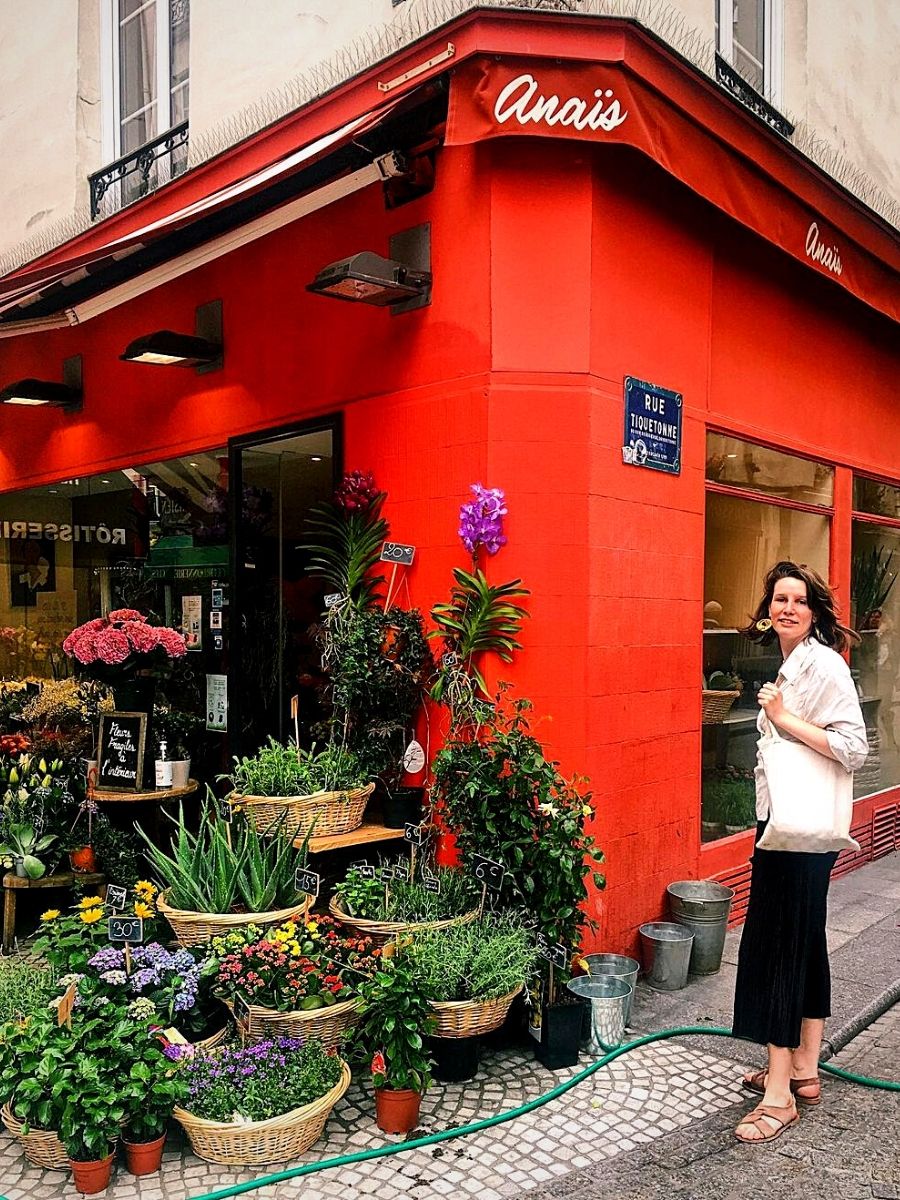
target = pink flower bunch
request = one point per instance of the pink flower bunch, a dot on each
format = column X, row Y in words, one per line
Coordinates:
column 122, row 638
column 357, row 491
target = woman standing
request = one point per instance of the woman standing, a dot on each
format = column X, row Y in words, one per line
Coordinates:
column 783, row 991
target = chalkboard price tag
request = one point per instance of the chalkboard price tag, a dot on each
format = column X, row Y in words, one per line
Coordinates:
column 386, row 874
column 367, row 871
column 242, row 1010
column 414, row 834
column 66, row 1004
column 449, row 659
column 307, row 881
column 396, row 552
column 116, row 896
column 333, row 599
column 226, row 810
column 120, row 754
column 126, row 929
column 488, row 872
column 432, row 884
column 554, row 952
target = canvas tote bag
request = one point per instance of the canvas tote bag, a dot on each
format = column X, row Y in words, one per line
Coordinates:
column 810, row 798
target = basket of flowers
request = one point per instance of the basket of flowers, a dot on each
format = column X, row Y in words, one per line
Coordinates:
column 259, row 1104
column 299, row 980
column 317, row 792
column 383, row 902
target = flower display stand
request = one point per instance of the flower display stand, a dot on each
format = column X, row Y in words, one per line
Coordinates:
column 13, row 884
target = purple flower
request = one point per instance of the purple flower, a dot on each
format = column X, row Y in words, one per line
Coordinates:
column 108, row 959
column 481, row 520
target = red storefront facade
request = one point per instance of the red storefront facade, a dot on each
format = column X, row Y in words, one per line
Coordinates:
column 674, row 244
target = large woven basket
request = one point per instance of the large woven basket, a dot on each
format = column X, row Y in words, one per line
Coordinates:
column 277, row 1140
column 210, row 1043
column 191, row 928
column 468, row 1018
column 716, row 706
column 40, row 1147
column 322, row 815
column 383, row 931
column 325, row 1025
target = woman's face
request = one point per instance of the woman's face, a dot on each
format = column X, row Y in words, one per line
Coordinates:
column 789, row 610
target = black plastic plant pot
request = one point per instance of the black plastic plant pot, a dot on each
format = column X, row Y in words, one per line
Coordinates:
column 514, row 1030
column 402, row 806
column 560, row 1036
column 455, row 1059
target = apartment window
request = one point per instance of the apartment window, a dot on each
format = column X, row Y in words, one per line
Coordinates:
column 749, row 38
column 762, row 505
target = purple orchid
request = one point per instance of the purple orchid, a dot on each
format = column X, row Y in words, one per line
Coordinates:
column 481, row 520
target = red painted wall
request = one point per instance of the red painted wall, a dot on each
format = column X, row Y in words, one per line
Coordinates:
column 558, row 270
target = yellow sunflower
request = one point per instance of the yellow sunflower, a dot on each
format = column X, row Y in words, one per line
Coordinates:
column 145, row 889
column 142, row 910
column 50, row 915
column 91, row 916
column 90, row 902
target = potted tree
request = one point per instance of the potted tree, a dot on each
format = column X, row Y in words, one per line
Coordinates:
column 149, row 1096
column 396, row 1019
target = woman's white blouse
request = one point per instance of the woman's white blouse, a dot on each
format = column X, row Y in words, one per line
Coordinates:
column 817, row 687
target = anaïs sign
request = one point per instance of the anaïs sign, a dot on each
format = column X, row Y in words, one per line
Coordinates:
column 524, row 101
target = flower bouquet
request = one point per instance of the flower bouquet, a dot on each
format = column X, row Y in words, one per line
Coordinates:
column 111, row 648
column 260, row 1104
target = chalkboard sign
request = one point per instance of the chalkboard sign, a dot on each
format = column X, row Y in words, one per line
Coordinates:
column 125, row 929
column 386, row 874
column 116, row 896
column 431, row 883
column 488, row 872
column 123, row 738
column 396, row 552
column 307, row 882
column 554, row 952
column 367, row 871
column 413, row 833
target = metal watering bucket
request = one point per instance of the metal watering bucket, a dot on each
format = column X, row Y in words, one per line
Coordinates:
column 608, row 997
column 620, row 966
column 667, row 953
column 702, row 907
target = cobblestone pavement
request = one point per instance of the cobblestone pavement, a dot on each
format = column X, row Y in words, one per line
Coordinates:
column 644, row 1095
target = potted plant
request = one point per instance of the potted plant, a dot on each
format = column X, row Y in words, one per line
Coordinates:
column 259, row 1104
column 89, row 1129
column 149, row 1096
column 22, row 846
column 299, row 980
column 177, row 729
column 227, row 875
column 471, row 975
column 383, row 909
column 397, row 1018
column 315, row 791
column 68, row 940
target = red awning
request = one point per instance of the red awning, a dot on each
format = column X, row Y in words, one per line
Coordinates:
column 23, row 288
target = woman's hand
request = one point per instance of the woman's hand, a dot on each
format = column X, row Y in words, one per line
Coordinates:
column 771, row 701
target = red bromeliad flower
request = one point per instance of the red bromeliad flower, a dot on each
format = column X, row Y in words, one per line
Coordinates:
column 379, row 1064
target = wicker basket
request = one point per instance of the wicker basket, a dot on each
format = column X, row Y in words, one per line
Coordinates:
column 322, row 815
column 325, row 1025
column 716, row 706
column 468, row 1018
column 210, row 1043
column 191, row 928
column 40, row 1147
column 255, row 1143
column 383, row 931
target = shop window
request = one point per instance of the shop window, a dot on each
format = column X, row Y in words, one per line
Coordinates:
column 878, row 499
column 875, row 662
column 749, row 38
column 744, row 537
column 159, row 538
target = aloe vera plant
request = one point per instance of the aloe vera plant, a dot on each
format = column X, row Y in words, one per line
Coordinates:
column 225, row 866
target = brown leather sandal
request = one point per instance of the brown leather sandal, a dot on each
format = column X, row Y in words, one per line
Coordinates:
column 783, row 1117
column 757, row 1083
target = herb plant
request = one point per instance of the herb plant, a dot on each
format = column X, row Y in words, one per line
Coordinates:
column 25, row 988
column 406, row 900
column 483, row 960
column 279, row 770
column 225, row 866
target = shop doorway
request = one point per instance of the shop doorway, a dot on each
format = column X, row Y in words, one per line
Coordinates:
column 275, row 480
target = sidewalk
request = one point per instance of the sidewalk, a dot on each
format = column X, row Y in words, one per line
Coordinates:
column 657, row 1121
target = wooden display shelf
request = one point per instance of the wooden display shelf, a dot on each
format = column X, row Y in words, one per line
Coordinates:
column 160, row 795
column 366, row 832
column 13, row 883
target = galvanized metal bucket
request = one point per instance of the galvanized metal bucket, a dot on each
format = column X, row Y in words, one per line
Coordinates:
column 702, row 906
column 667, row 953
column 607, row 997
column 620, row 966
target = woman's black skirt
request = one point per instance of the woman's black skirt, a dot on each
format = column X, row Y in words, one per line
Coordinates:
column 783, row 973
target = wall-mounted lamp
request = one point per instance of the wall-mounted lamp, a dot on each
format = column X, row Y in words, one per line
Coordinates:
column 202, row 350
column 39, row 393
column 400, row 282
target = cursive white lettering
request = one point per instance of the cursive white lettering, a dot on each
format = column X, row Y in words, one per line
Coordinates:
column 522, row 100
column 816, row 249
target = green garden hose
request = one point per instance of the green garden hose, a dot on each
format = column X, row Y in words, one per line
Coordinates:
column 432, row 1139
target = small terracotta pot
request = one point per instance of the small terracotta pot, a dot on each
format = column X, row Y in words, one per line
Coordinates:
column 83, row 861
column 90, row 1177
column 144, row 1158
column 397, row 1111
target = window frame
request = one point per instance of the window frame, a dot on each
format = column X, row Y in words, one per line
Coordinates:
column 773, row 45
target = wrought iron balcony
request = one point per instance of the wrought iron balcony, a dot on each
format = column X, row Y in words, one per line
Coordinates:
column 138, row 173
column 747, row 95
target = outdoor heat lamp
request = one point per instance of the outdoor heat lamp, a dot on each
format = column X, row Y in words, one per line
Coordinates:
column 42, row 393
column 201, row 350
column 371, row 279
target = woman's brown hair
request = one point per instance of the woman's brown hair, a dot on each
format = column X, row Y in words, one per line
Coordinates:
column 825, row 627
